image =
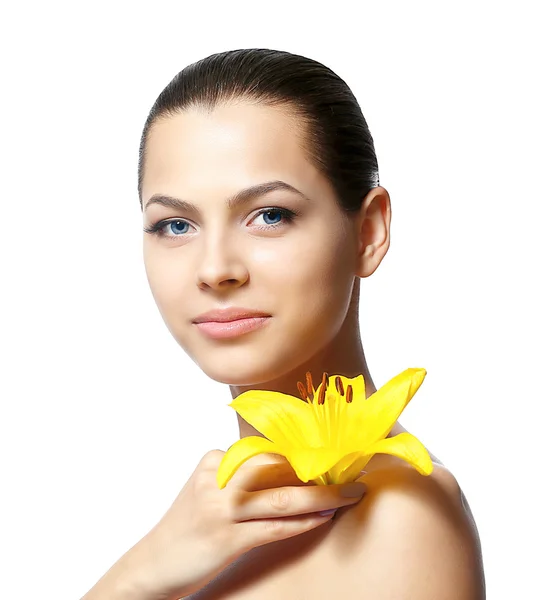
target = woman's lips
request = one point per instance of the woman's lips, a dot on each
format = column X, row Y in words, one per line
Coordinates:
column 229, row 329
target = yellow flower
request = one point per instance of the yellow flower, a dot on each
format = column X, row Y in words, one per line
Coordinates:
column 331, row 435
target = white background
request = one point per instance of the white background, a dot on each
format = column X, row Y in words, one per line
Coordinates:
column 103, row 417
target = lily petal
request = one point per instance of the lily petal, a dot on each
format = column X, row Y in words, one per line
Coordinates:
column 407, row 447
column 281, row 418
column 382, row 409
column 239, row 453
column 310, row 463
column 349, row 468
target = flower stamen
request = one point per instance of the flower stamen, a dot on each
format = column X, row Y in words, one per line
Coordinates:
column 349, row 394
column 310, row 386
column 321, row 395
column 339, row 385
column 302, row 391
column 323, row 388
column 325, row 380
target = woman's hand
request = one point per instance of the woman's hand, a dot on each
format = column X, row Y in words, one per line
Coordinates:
column 206, row 528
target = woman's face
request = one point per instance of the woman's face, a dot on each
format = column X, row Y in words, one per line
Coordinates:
column 298, row 271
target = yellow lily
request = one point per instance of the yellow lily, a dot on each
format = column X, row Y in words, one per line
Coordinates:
column 333, row 433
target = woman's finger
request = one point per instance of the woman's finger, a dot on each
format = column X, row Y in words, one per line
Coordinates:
column 261, row 477
column 292, row 501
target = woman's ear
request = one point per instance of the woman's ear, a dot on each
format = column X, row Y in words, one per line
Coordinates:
column 373, row 231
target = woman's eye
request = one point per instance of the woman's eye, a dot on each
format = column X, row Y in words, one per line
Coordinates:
column 273, row 217
column 169, row 229
column 177, row 227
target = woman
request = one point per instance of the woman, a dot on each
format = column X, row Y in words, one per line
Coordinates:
column 262, row 209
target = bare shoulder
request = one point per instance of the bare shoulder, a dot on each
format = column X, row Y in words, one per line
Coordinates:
column 411, row 536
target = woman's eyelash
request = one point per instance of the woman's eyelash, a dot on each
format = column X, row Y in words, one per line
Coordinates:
column 288, row 215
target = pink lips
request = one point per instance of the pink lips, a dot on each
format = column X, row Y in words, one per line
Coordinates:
column 229, row 329
column 230, row 322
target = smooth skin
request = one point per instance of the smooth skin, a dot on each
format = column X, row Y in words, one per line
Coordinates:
column 411, row 536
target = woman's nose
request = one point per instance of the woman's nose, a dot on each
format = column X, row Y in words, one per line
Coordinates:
column 220, row 265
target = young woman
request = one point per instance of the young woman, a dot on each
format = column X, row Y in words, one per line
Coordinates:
column 262, row 209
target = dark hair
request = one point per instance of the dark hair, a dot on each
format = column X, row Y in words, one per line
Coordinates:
column 337, row 138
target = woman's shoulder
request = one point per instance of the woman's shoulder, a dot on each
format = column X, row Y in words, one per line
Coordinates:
column 414, row 534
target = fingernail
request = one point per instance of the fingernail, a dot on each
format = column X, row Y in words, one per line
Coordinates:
column 324, row 513
column 353, row 490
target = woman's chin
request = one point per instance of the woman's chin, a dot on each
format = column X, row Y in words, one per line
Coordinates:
column 238, row 378
column 242, row 374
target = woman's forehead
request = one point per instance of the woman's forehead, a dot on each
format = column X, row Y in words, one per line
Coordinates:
column 232, row 146
column 246, row 131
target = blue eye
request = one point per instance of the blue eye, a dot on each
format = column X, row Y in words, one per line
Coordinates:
column 174, row 225
column 279, row 212
column 273, row 217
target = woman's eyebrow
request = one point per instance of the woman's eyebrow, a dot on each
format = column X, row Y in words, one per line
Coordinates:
column 241, row 197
